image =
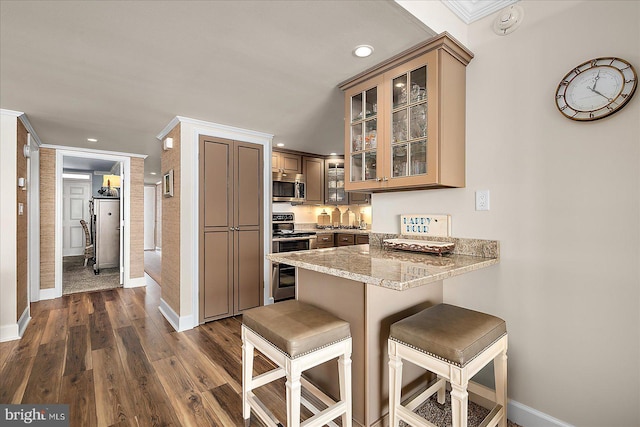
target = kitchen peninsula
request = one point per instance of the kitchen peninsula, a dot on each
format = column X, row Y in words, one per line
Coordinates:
column 372, row 287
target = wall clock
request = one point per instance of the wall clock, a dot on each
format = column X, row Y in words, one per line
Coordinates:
column 596, row 89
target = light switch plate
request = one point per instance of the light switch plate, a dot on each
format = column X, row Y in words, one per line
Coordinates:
column 425, row 225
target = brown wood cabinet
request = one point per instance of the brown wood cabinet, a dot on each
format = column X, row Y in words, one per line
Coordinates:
column 405, row 120
column 325, row 240
column 231, row 227
column 284, row 162
column 362, row 239
column 345, row 239
column 313, row 170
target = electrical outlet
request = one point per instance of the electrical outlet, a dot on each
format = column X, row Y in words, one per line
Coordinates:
column 482, row 200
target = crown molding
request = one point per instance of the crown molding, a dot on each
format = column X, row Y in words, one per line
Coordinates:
column 472, row 10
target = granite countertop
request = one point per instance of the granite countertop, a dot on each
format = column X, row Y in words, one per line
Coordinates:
column 341, row 230
column 398, row 270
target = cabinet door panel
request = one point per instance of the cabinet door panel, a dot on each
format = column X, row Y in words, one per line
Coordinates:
column 248, row 185
column 314, row 175
column 291, row 163
column 249, row 279
column 217, row 195
column 216, row 294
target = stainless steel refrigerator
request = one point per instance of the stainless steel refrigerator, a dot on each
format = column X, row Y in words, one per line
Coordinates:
column 106, row 217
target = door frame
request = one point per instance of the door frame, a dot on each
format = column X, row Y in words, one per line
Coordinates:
column 125, row 238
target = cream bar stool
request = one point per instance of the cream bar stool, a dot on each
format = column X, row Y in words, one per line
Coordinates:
column 296, row 336
column 454, row 343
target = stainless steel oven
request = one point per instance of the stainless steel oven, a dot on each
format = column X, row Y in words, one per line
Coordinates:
column 286, row 239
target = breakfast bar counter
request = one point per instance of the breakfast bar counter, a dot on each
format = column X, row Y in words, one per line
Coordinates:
column 372, row 287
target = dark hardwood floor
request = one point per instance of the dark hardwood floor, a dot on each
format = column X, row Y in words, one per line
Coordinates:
column 116, row 361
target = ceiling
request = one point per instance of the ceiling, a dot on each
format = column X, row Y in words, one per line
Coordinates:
column 119, row 71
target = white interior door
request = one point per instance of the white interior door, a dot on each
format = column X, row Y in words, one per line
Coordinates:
column 149, row 218
column 76, row 195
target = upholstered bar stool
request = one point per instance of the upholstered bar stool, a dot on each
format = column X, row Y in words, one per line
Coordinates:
column 454, row 343
column 296, row 336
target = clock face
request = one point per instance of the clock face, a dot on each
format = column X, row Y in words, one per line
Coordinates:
column 596, row 89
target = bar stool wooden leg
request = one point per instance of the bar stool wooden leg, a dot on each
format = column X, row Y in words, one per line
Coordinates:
column 247, row 376
column 459, row 404
column 395, row 383
column 442, row 390
column 344, row 374
column 500, row 374
column 294, row 389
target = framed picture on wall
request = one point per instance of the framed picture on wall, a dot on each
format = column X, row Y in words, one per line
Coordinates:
column 167, row 184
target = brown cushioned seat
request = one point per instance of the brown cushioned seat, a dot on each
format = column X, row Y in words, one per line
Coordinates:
column 452, row 333
column 296, row 327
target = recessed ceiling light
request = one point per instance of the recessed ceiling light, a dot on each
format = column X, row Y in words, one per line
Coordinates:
column 152, row 173
column 92, row 140
column 333, row 154
column 279, row 144
column 363, row 51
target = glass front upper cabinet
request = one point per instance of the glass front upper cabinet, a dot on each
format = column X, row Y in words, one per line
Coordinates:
column 409, row 124
column 364, row 135
column 404, row 121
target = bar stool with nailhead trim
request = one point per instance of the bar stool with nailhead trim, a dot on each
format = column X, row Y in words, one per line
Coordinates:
column 296, row 336
column 454, row 343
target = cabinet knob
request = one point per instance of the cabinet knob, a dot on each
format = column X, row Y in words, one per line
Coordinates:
column 230, row 228
column 385, row 179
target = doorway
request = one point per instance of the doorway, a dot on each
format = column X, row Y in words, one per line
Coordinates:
column 81, row 246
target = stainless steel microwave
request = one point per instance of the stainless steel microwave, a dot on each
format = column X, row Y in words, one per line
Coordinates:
column 288, row 187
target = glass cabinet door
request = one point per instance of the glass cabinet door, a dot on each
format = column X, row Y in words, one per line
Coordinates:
column 364, row 135
column 409, row 124
column 336, row 193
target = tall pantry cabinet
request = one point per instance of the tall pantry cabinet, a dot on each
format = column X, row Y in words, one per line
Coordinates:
column 231, row 227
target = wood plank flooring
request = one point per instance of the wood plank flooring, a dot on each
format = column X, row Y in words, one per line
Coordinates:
column 116, row 361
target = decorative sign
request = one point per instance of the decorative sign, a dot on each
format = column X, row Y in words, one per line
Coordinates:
column 425, row 225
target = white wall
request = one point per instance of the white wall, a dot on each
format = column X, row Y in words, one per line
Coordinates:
column 8, row 219
column 565, row 206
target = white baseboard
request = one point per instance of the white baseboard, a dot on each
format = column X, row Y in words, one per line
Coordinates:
column 179, row 323
column 135, row 282
column 9, row 332
column 50, row 293
column 528, row 417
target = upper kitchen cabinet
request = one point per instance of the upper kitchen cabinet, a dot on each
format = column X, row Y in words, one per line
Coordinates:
column 284, row 162
column 335, row 189
column 313, row 170
column 405, row 120
column 335, row 193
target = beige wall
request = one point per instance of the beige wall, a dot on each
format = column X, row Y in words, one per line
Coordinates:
column 137, row 218
column 158, row 216
column 47, row 217
column 171, row 226
column 565, row 205
column 21, row 238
